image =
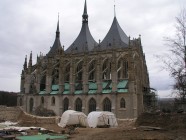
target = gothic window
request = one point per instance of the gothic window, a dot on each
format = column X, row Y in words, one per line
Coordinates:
column 125, row 69
column 53, row 101
column 106, row 70
column 31, row 105
column 67, row 73
column 92, row 71
column 92, row 105
column 107, row 105
column 78, row 104
column 42, row 83
column 122, row 69
column 79, row 71
column 65, row 104
column 42, row 101
column 122, row 103
column 55, row 76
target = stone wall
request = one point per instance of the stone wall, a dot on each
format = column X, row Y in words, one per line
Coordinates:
column 9, row 113
column 27, row 119
column 16, row 114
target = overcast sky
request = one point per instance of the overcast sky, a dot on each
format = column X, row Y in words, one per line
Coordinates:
column 30, row 25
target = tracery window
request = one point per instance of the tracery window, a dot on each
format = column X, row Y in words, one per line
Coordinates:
column 122, row 69
column 122, row 103
column 106, row 70
column 79, row 71
column 78, row 104
column 107, row 105
column 43, row 83
column 92, row 105
column 67, row 73
column 92, row 71
column 65, row 104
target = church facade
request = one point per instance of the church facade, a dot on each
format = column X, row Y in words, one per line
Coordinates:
column 110, row 75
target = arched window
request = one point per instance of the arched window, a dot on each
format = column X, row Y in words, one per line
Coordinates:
column 78, row 104
column 122, row 69
column 67, row 73
column 31, row 105
column 125, row 65
column 92, row 105
column 92, row 71
column 42, row 101
column 65, row 104
column 106, row 70
column 43, row 83
column 107, row 105
column 79, row 71
column 122, row 103
column 20, row 101
column 53, row 101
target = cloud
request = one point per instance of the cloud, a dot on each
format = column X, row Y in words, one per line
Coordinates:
column 30, row 26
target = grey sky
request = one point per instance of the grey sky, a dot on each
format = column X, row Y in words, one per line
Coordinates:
column 30, row 26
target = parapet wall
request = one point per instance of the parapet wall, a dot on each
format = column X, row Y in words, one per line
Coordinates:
column 16, row 114
column 28, row 119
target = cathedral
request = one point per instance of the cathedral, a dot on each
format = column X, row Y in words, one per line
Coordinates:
column 109, row 75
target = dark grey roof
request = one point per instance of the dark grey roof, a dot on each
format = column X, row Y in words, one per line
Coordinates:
column 116, row 37
column 57, row 44
column 84, row 42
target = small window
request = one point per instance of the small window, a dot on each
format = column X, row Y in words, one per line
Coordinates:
column 78, row 104
column 42, row 101
column 122, row 103
column 53, row 101
column 65, row 104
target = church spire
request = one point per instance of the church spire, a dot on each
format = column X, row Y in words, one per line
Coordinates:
column 57, row 31
column 85, row 15
column 25, row 64
column 84, row 42
column 114, row 9
column 57, row 44
column 30, row 60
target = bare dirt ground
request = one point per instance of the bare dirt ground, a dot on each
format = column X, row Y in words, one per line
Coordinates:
column 172, row 127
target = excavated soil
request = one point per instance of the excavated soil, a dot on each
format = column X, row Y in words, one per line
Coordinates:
column 170, row 127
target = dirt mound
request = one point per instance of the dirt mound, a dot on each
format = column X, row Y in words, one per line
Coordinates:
column 166, row 121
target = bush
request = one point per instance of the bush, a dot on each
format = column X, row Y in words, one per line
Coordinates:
column 41, row 111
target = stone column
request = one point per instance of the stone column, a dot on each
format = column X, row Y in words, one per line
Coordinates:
column 72, row 76
column 38, row 82
column 132, row 87
column 27, row 83
column 61, row 77
column 85, row 76
column 99, row 75
column 49, row 77
column 114, row 73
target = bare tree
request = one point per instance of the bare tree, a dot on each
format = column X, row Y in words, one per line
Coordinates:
column 175, row 61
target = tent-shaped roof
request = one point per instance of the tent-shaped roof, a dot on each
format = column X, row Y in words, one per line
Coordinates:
column 101, row 118
column 71, row 117
column 84, row 42
column 116, row 37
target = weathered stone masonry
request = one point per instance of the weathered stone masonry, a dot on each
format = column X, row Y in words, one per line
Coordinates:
column 88, row 76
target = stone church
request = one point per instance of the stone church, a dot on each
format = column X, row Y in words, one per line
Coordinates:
column 109, row 75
